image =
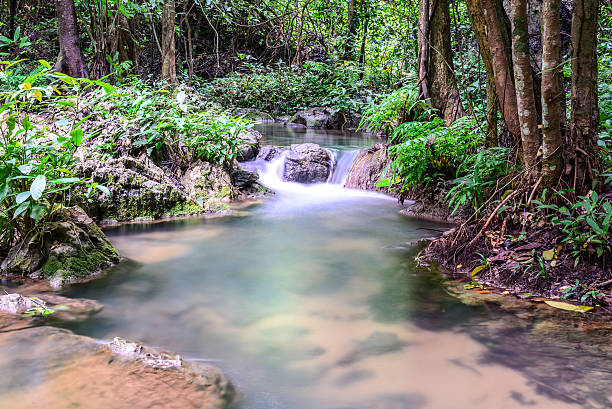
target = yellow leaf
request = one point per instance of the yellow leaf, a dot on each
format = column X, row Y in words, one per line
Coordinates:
column 549, row 254
column 27, row 86
column 459, row 265
column 569, row 307
column 478, row 269
column 38, row 95
column 505, row 292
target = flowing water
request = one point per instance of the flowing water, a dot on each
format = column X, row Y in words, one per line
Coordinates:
column 312, row 300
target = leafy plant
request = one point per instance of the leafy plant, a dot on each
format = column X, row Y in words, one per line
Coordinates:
column 393, row 109
column 481, row 172
column 424, row 152
column 585, row 224
column 36, row 164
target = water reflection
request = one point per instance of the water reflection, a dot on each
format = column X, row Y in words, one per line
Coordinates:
column 282, row 135
column 314, row 311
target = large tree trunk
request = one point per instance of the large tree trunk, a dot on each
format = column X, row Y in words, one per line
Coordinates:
column 168, row 45
column 552, row 140
column 478, row 25
column 70, row 60
column 352, row 23
column 504, row 81
column 525, row 98
column 437, row 76
column 585, row 110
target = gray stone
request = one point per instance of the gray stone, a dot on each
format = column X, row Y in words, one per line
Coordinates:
column 244, row 178
column 366, row 171
column 249, row 145
column 15, row 303
column 307, row 163
column 319, row 118
column 269, row 152
column 139, row 189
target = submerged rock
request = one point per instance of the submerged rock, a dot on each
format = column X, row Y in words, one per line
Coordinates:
column 367, row 169
column 139, row 189
column 307, row 163
column 54, row 368
column 249, row 147
column 68, row 247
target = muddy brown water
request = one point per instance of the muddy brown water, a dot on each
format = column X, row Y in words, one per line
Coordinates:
column 313, row 300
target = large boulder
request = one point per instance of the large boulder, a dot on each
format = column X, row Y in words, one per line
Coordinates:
column 367, row 169
column 211, row 185
column 307, row 163
column 68, row 247
column 325, row 118
column 139, row 190
column 319, row 118
column 249, row 144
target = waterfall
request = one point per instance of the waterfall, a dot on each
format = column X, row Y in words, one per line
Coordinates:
column 343, row 161
column 292, row 193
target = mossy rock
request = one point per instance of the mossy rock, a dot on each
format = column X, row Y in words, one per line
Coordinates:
column 68, row 247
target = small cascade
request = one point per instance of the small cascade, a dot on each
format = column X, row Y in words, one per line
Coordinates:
column 343, row 161
column 292, row 194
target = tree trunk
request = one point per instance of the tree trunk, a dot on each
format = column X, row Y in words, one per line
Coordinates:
column 502, row 68
column 552, row 141
column 352, row 23
column 525, row 98
column 70, row 60
column 437, row 60
column 168, row 44
column 478, row 25
column 585, row 110
column 12, row 4
column 362, row 50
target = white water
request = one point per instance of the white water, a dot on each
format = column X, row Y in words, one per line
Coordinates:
column 333, row 191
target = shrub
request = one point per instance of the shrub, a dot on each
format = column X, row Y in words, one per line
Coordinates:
column 425, row 152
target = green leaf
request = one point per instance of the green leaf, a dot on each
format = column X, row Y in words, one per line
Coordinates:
column 76, row 136
column 4, row 190
column 594, row 226
column 38, row 187
column 22, row 197
column 103, row 189
column 21, row 209
column 36, row 212
column 45, row 64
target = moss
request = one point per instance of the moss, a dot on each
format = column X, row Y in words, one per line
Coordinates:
column 51, row 267
column 225, row 191
column 189, row 207
column 85, row 264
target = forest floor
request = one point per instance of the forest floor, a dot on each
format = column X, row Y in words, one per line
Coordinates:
column 532, row 264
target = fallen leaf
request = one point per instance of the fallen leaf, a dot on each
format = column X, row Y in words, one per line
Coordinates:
column 525, row 295
column 505, row 292
column 483, row 292
column 538, row 299
column 549, row 254
column 569, row 307
column 478, row 269
column 459, row 265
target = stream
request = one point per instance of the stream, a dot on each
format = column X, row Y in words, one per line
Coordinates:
column 313, row 300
